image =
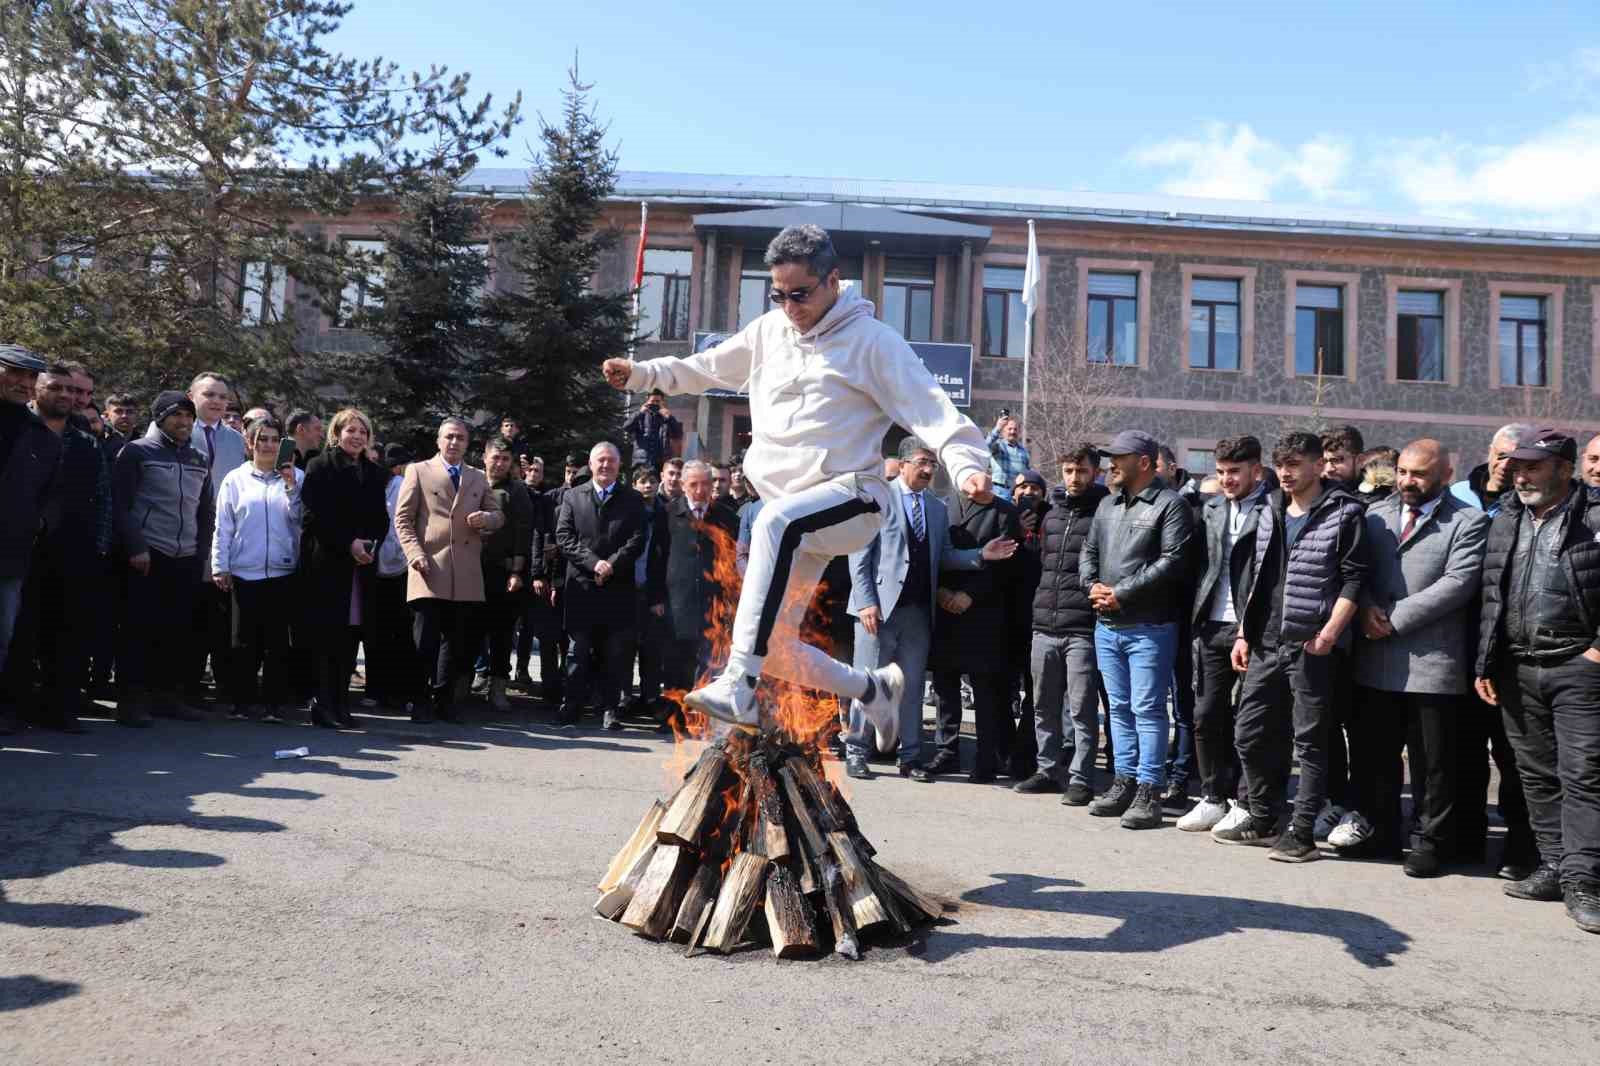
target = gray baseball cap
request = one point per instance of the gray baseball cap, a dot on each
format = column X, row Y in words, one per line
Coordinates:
column 16, row 357
column 1133, row 442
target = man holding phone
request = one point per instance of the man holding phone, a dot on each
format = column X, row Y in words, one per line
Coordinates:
column 656, row 435
column 440, row 518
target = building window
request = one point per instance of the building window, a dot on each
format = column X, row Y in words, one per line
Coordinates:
column 1200, row 462
column 1319, row 330
column 664, row 295
column 361, row 292
column 1113, row 334
column 261, row 289
column 1523, row 346
column 1419, row 351
column 908, row 297
column 1214, row 323
column 1004, row 316
column 73, row 258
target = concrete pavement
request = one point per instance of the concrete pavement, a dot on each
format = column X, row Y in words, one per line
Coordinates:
column 175, row 895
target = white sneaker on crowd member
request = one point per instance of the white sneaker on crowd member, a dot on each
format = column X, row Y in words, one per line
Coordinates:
column 1352, row 829
column 1203, row 816
column 1237, row 814
column 1330, row 815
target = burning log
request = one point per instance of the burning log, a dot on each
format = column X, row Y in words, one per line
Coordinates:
column 655, row 898
column 772, row 838
column 920, row 902
column 736, row 902
column 699, row 898
column 693, row 807
column 790, row 921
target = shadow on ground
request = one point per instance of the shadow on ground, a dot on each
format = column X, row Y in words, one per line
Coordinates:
column 1153, row 921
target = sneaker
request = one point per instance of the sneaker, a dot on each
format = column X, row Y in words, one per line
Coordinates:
column 1078, row 794
column 1039, row 782
column 480, row 684
column 856, row 766
column 1177, row 792
column 1237, row 814
column 1295, row 845
column 883, row 709
column 1145, row 810
column 1330, row 815
column 1204, row 816
column 1117, row 799
column 1352, row 829
column 1583, row 904
column 1251, row 832
column 728, row 698
column 915, row 771
column 1544, row 885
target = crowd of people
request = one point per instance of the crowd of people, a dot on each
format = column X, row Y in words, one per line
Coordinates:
column 1358, row 612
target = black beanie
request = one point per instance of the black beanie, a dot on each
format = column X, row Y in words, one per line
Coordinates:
column 170, row 401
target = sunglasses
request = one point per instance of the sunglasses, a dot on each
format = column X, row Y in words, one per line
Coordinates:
column 798, row 296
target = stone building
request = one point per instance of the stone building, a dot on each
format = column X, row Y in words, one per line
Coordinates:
column 1191, row 319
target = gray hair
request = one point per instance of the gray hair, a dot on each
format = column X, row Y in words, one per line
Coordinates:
column 806, row 244
column 1516, row 431
column 910, row 446
column 453, row 421
column 605, row 444
column 696, row 466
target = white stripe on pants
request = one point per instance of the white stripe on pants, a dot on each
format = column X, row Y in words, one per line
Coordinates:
column 801, row 534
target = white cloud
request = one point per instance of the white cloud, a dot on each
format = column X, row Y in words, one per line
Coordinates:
column 1550, row 178
column 1236, row 163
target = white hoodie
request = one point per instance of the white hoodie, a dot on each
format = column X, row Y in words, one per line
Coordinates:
column 821, row 402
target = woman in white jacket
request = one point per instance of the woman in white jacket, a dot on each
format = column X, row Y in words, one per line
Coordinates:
column 254, row 554
column 826, row 380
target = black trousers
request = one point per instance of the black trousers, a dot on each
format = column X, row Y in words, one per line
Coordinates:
column 1283, row 708
column 53, row 630
column 542, row 621
column 1382, row 724
column 211, row 638
column 261, row 613
column 612, row 645
column 1181, row 755
column 158, row 623
column 110, row 583
column 1024, row 757
column 394, row 676
column 991, row 711
column 1342, row 739
column 306, row 632
column 1552, row 716
column 499, row 615
column 653, row 639
column 1215, row 755
column 1483, row 727
column 444, row 632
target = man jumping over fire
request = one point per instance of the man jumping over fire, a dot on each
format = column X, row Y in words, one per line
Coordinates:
column 826, row 379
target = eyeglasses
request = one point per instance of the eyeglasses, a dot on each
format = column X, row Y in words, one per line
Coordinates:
column 799, row 296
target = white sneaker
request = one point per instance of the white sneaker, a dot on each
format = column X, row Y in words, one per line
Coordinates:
column 1352, row 829
column 1203, row 816
column 729, row 698
column 1330, row 816
column 1237, row 814
column 882, row 711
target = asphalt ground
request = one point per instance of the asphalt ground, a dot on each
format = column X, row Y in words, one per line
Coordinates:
column 176, row 895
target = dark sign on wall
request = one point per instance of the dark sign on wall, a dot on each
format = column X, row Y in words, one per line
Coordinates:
column 950, row 365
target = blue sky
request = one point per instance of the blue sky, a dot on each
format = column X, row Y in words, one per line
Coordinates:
column 1466, row 110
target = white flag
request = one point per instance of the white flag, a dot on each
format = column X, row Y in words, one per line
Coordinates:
column 1030, row 277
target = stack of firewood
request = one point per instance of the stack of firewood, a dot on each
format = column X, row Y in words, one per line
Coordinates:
column 757, row 845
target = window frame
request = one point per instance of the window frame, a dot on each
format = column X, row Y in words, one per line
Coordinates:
column 1140, row 267
column 669, row 282
column 1450, row 289
column 277, row 278
column 1246, row 277
column 342, row 318
column 1350, row 301
column 1108, row 309
column 1554, row 311
column 984, row 292
column 910, row 285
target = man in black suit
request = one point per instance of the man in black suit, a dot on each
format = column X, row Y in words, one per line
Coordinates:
column 601, row 530
column 694, row 522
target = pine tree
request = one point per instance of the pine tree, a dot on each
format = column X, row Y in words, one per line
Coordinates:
column 555, row 329
column 429, row 323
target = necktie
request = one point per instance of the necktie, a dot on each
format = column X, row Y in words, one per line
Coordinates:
column 699, row 515
column 1412, row 514
column 211, row 446
column 918, row 523
column 455, row 477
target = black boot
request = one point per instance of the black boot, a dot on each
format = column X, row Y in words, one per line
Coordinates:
column 1544, row 885
column 1583, row 904
column 324, row 715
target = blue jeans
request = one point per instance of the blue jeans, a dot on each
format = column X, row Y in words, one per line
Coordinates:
column 1136, row 663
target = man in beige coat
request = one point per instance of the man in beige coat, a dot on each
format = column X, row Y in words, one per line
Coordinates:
column 440, row 518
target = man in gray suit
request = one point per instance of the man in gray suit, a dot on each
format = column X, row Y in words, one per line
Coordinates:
column 1426, row 550
column 893, row 584
column 223, row 449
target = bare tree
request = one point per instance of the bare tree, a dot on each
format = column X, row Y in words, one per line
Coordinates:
column 1071, row 399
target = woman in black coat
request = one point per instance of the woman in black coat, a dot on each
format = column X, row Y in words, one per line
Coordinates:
column 344, row 518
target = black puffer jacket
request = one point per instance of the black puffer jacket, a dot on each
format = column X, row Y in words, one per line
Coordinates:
column 1580, row 558
column 1061, row 605
column 1328, row 563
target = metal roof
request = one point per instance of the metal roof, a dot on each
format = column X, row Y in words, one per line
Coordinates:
column 851, row 226
column 1069, row 205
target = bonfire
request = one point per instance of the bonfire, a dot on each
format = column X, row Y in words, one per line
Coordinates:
column 757, row 844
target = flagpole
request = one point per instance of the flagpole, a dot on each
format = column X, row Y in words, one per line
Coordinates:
column 1030, row 296
column 638, row 285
